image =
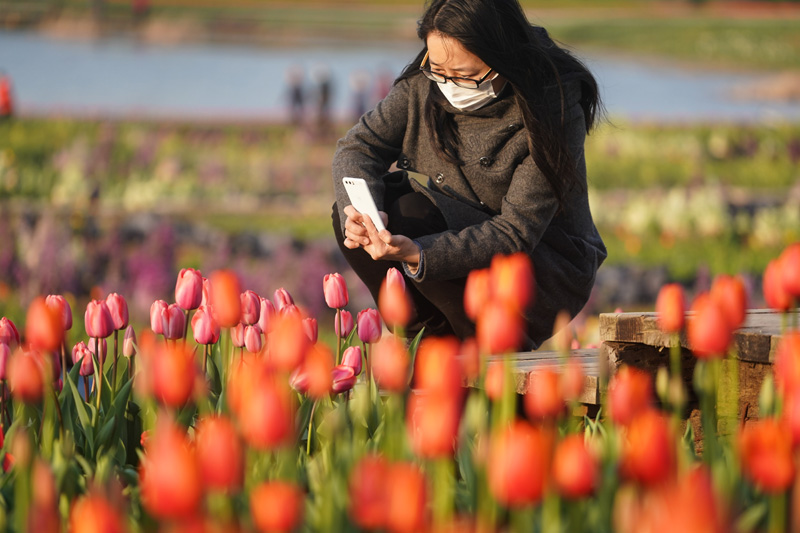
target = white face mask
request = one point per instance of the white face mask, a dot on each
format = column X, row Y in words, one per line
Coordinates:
column 469, row 99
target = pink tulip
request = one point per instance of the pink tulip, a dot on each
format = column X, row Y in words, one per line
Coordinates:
column 173, row 322
column 251, row 307
column 9, row 334
column 282, row 299
column 5, row 353
column 60, row 303
column 189, row 289
column 369, row 326
column 266, row 315
column 252, row 339
column 344, row 323
column 118, row 308
column 352, row 358
column 299, row 380
column 344, row 377
column 102, row 345
column 99, row 323
column 81, row 354
column 206, row 299
column 291, row 310
column 155, row 316
column 311, row 329
column 205, row 327
column 335, row 289
column 395, row 277
column 129, row 342
column 237, row 335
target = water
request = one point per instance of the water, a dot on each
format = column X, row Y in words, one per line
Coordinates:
column 126, row 78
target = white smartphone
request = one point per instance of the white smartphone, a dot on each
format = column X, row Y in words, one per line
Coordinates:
column 362, row 200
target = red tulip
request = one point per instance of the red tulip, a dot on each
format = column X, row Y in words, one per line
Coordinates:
column 170, row 480
column 671, row 308
column 8, row 333
column 708, row 331
column 477, row 292
column 99, row 323
column 731, row 294
column 25, row 377
column 648, row 455
column 318, row 366
column 437, row 369
column 311, row 329
column 575, row 469
column 252, row 339
column 220, row 453
column 495, row 381
column 394, row 302
column 288, row 342
column 432, row 423
column 630, row 392
column 5, row 353
column 282, row 299
column 58, row 302
column 776, row 296
column 129, row 342
column 786, row 367
column 189, row 289
column 390, row 364
column 343, row 378
column 511, row 280
column 81, row 354
column 173, row 322
column 118, row 308
column 173, row 374
column 156, row 309
column 765, row 449
column 263, row 405
column 518, row 462
column 499, row 328
column 43, row 326
column 368, row 492
column 92, row 513
column 344, row 324
column 251, row 307
column 352, row 358
column 335, row 289
column 226, row 297
column 406, row 498
column 265, row 316
column 277, row 506
column 790, row 263
column 369, row 325
column 790, row 417
column 205, row 328
column 543, row 399
column 470, row 360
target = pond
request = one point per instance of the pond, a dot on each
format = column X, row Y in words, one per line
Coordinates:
column 126, row 78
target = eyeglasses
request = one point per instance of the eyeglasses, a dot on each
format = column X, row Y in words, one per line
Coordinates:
column 466, row 83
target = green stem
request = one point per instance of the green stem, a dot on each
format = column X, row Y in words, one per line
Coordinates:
column 310, row 427
column 99, row 374
column 777, row 513
column 442, row 492
column 64, row 361
column 205, row 358
column 340, row 327
column 114, row 365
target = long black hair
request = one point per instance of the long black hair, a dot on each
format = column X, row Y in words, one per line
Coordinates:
column 499, row 33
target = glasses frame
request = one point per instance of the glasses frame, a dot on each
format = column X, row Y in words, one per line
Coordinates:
column 464, row 83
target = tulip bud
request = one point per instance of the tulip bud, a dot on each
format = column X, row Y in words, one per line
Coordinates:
column 499, row 328
column 786, row 368
column 335, row 290
column 288, row 342
column 318, row 365
column 518, row 464
column 189, row 289
column 432, row 423
column 394, row 302
column 118, row 308
column 206, row 299
column 83, row 356
column 5, row 353
column 648, row 456
column 8, row 333
column 252, row 339
column 708, row 331
column 237, row 335
column 630, row 392
column 790, row 263
column 156, row 308
column 369, row 492
column 352, row 358
column 671, row 308
column 406, row 498
column 58, row 302
column 43, row 326
column 226, row 297
column 390, row 364
column 277, row 506
column 173, row 374
column 766, row 455
column 282, row 298
column 173, row 322
column 511, row 280
column 251, row 307
column 220, row 453
column 205, row 328
column 265, row 316
column 575, row 468
column 437, row 369
column 776, row 296
column 99, row 323
column 543, row 399
column 477, row 292
column 572, row 379
column 94, row 513
column 495, row 381
column 344, row 324
column 129, row 342
column 311, row 329
column 25, row 377
column 343, row 378
column 731, row 295
column 369, row 325
column 264, row 408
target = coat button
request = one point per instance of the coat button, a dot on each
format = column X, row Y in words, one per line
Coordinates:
column 486, row 161
column 405, row 163
column 512, row 127
column 439, row 177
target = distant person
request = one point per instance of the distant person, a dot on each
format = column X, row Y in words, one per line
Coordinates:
column 324, row 86
column 6, row 97
column 359, row 83
column 494, row 114
column 296, row 96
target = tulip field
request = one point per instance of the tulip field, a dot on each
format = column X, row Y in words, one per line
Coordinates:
column 228, row 413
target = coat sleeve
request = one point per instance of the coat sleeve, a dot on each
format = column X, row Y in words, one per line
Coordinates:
column 371, row 146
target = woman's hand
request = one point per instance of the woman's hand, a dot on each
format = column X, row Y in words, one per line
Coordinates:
column 359, row 231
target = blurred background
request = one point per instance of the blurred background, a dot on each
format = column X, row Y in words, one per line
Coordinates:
column 139, row 137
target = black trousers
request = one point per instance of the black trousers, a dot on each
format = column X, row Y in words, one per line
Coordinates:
column 438, row 305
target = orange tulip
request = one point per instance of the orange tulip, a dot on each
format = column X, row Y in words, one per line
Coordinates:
column 499, row 328
column 518, row 464
column 43, row 326
column 671, row 308
column 265, row 410
column 765, row 450
column 575, row 469
column 26, row 377
column 543, row 399
column 390, row 364
column 709, row 331
column 512, row 280
column 94, row 514
column 169, row 476
column 432, row 423
column 394, row 303
column 220, row 453
column 470, row 360
column 495, row 380
column 277, row 506
column 368, row 492
column 406, row 498
column 731, row 294
column 60, row 304
column 43, row 515
column 790, row 262
column 776, row 296
column 318, row 366
column 288, row 342
column 630, row 392
column 437, row 369
column 786, row 367
column 648, row 455
column 572, row 379
column 226, row 297
column 477, row 292
column 173, row 374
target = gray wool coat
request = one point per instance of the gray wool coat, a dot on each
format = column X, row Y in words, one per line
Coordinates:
column 497, row 202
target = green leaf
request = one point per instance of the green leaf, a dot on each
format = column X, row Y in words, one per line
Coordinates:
column 752, row 517
column 83, row 417
column 105, row 433
column 412, row 353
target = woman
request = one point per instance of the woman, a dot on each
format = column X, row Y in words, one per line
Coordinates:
column 493, row 114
